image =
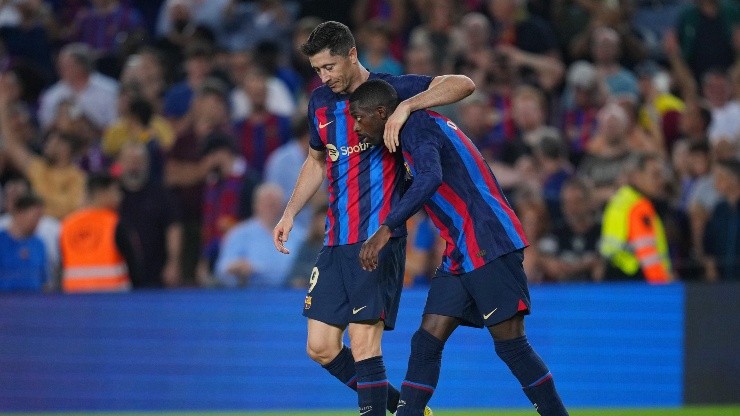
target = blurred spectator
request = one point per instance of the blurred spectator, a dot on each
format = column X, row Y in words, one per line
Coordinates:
column 248, row 256
column 551, row 159
column 583, row 97
column 186, row 169
column 152, row 217
column 530, row 33
column 93, row 94
column 244, row 24
column 394, row 14
column 375, row 52
column 701, row 194
column 661, row 111
column 22, row 254
column 724, row 131
column 107, row 25
column 604, row 163
column 54, row 177
column 633, row 239
column 707, row 33
column 270, row 58
column 439, row 34
column 298, row 60
column 476, row 120
column 606, row 49
column 532, row 211
column 278, row 99
column 178, row 98
column 230, row 185
column 27, row 38
column 305, row 258
column 722, row 235
column 97, row 255
column 570, row 252
column 639, row 138
column 262, row 131
column 208, row 14
column 145, row 69
column 528, row 112
column 47, row 228
column 419, row 60
column 423, row 251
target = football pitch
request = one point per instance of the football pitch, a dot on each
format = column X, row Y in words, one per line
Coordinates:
column 685, row 411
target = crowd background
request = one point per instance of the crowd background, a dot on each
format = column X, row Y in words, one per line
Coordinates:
column 187, row 119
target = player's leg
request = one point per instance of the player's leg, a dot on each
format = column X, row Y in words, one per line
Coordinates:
column 448, row 306
column 372, row 382
column 502, row 297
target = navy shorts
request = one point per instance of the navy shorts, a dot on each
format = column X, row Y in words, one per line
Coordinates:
column 486, row 296
column 340, row 292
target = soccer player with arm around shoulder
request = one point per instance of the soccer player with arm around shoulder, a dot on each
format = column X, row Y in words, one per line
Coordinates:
column 481, row 280
column 363, row 186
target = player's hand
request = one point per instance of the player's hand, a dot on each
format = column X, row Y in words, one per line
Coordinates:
column 280, row 234
column 393, row 126
column 372, row 246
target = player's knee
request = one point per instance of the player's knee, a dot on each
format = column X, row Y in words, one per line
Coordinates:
column 440, row 327
column 321, row 352
column 509, row 329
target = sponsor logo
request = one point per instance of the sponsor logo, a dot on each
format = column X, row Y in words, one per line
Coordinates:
column 307, row 303
column 356, row 311
column 488, row 315
column 323, row 125
column 333, row 152
column 451, row 125
column 365, row 410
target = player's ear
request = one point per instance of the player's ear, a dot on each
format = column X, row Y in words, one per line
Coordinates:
column 352, row 54
column 382, row 112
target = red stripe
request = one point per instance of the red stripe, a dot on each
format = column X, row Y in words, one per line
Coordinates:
column 445, row 233
column 491, row 182
column 247, row 140
column 367, row 386
column 321, row 116
column 461, row 207
column 416, row 386
column 353, row 179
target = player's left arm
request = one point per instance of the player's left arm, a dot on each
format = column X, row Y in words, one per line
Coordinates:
column 443, row 90
column 424, row 156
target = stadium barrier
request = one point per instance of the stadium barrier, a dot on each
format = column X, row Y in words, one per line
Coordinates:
column 607, row 345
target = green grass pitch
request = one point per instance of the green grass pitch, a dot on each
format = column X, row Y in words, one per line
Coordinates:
column 685, row 411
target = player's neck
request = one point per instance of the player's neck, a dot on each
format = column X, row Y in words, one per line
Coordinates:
column 361, row 76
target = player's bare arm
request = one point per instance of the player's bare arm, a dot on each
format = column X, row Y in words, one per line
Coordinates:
column 444, row 89
column 309, row 180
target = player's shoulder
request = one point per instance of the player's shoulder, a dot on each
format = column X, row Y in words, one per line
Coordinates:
column 321, row 96
column 399, row 80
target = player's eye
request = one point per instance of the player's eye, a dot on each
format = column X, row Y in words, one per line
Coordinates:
column 329, row 67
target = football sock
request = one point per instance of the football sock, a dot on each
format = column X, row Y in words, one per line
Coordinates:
column 533, row 375
column 343, row 368
column 422, row 375
column 372, row 386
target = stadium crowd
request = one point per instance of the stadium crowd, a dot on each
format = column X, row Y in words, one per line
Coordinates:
column 154, row 143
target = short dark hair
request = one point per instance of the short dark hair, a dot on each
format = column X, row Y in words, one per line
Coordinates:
column 141, row 110
column 330, row 35
column 732, row 165
column 26, row 201
column 99, row 182
column 374, row 93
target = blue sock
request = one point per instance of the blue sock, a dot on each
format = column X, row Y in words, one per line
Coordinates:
column 422, row 375
column 343, row 368
column 372, row 386
column 533, row 375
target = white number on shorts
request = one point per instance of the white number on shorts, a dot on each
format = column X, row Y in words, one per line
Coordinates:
column 314, row 279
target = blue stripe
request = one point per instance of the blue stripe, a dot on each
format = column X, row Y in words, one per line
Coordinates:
column 480, row 183
column 457, row 221
column 411, row 383
column 539, row 380
column 352, row 380
column 372, row 382
column 376, row 189
column 342, row 167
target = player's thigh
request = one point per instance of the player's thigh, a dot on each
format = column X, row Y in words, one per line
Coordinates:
column 499, row 288
column 326, row 299
column 448, row 297
column 324, row 341
column 365, row 339
column 375, row 295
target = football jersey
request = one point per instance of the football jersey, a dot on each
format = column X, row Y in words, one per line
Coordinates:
column 457, row 189
column 364, row 181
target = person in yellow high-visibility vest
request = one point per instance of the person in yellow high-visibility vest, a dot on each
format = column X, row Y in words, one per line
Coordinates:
column 632, row 236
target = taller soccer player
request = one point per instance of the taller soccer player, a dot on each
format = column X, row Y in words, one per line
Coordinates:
column 364, row 184
column 481, row 280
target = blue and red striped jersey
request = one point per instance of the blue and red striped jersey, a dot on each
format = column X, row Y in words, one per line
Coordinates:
column 364, row 181
column 456, row 187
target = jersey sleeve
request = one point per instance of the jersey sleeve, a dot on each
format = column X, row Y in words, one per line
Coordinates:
column 409, row 85
column 421, row 152
column 315, row 140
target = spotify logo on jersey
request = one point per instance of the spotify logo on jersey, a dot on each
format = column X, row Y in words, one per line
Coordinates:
column 345, row 150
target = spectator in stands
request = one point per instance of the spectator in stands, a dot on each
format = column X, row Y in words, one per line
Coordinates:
column 583, row 98
column 604, row 163
column 229, row 188
column 394, row 14
column 423, row 252
column 178, row 98
column 97, row 255
column 375, row 40
column 606, row 49
column 476, row 119
column 54, row 177
column 26, row 38
column 22, row 254
column 722, row 234
column 661, row 111
column 145, row 69
column 152, row 217
column 531, row 209
column 302, row 270
column 278, row 98
column 206, row 14
column 529, row 114
column 247, row 257
column 298, row 60
column 439, row 34
column 701, row 194
column 419, row 61
column 107, row 25
column 570, row 251
column 724, row 131
column 47, row 229
column 551, row 159
column 244, row 24
column 186, row 169
column 262, row 131
column 633, row 239
column 92, row 93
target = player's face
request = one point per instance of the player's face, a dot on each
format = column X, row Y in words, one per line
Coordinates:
column 369, row 125
column 335, row 71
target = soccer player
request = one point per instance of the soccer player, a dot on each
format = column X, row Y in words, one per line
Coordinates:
column 481, row 281
column 364, row 184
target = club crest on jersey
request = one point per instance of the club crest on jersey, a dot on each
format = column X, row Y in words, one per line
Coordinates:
column 307, row 303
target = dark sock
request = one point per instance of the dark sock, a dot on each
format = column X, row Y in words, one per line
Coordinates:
column 372, row 386
column 533, row 375
column 343, row 368
column 422, row 375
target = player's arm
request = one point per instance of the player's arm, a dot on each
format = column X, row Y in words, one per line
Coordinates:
column 443, row 90
column 427, row 173
column 309, row 181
